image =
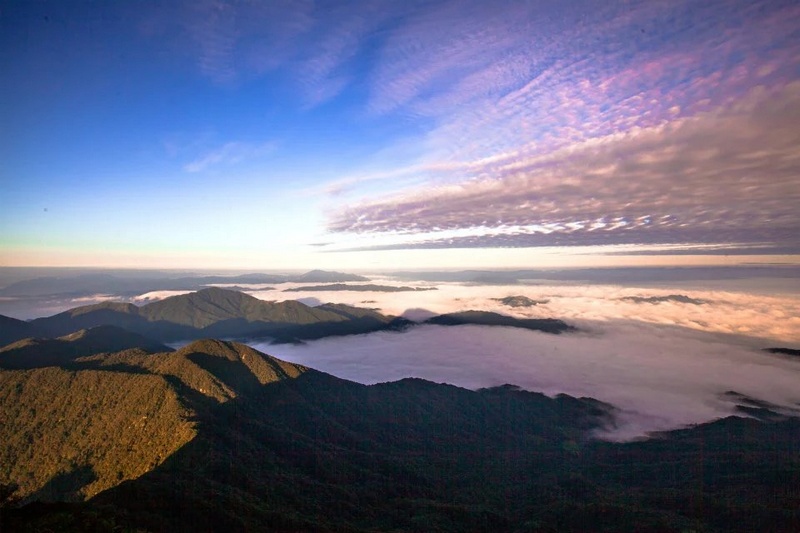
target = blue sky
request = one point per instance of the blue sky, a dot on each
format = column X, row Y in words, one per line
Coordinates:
column 368, row 134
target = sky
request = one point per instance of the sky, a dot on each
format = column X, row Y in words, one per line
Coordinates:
column 447, row 134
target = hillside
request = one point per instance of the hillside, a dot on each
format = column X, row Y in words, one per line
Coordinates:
column 38, row 352
column 218, row 437
column 108, row 418
column 215, row 312
column 12, row 330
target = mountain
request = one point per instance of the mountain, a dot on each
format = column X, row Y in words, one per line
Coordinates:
column 38, row 352
column 127, row 285
column 324, row 276
column 486, row 318
column 784, row 351
column 519, row 301
column 219, row 437
column 108, row 418
column 12, row 330
column 216, row 312
column 358, row 288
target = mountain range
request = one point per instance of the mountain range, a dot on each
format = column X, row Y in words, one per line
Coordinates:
column 134, row 285
column 105, row 428
column 219, row 437
column 223, row 313
column 210, row 312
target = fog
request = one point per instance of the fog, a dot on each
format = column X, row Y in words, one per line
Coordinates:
column 772, row 318
column 659, row 377
column 663, row 356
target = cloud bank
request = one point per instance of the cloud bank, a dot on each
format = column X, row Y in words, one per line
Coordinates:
column 661, row 378
column 729, row 176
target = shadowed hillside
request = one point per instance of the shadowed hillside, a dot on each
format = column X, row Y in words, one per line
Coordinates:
column 36, row 352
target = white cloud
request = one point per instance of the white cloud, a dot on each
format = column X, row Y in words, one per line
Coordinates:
column 661, row 378
column 705, row 179
column 230, row 154
column 772, row 318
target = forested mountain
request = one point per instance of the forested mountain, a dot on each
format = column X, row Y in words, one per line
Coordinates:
column 218, row 437
column 212, row 312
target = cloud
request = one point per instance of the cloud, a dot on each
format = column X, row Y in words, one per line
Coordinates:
column 154, row 296
column 738, row 308
column 661, row 378
column 230, row 154
column 727, row 175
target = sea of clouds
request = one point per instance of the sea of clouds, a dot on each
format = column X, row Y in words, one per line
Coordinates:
column 664, row 354
column 665, row 362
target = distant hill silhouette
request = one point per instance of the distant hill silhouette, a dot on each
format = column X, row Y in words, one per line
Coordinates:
column 359, row 288
column 126, row 286
column 486, row 318
column 519, row 301
column 784, row 351
column 38, row 352
column 12, row 330
column 679, row 298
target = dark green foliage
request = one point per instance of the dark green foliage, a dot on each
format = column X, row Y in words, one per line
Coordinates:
column 317, row 453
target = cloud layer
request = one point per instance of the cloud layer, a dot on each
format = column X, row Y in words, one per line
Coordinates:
column 729, row 176
column 661, row 378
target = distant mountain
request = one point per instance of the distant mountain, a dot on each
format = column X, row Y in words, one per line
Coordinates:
column 679, row 298
column 324, row 276
column 216, row 312
column 485, row 318
column 359, row 288
column 219, row 437
column 38, row 352
column 127, row 286
column 784, row 351
column 12, row 330
column 519, row 301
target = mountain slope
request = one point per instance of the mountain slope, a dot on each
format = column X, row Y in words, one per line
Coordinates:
column 38, row 352
column 12, row 330
column 71, row 433
column 214, row 312
column 244, row 442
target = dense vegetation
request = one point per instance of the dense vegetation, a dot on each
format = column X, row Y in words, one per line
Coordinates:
column 236, row 440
